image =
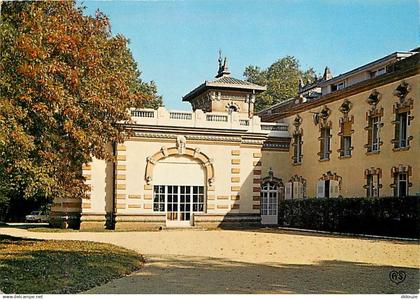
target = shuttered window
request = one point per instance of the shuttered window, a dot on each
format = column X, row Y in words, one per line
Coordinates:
column 401, row 125
column 325, row 144
column 372, row 184
column 374, row 142
column 297, row 154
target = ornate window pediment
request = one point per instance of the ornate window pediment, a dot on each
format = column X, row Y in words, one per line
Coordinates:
column 402, row 117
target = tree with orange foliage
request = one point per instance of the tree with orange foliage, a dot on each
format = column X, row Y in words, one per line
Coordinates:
column 66, row 84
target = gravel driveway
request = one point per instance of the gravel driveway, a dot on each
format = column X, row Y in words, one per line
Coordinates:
column 266, row 261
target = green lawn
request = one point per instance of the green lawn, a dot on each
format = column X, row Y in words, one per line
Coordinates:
column 47, row 266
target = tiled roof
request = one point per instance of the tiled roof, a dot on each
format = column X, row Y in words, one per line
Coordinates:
column 230, row 80
column 224, row 82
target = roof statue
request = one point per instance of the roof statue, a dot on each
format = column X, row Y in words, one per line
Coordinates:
column 223, row 69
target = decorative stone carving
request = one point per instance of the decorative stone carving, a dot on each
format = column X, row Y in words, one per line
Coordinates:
column 211, row 181
column 402, row 90
column 321, row 117
column 148, row 180
column 297, row 121
column 151, row 160
column 181, row 143
column 325, row 113
column 374, row 98
column 332, row 176
column 205, row 161
column 346, row 107
column 197, row 151
column 164, row 150
column 234, row 105
column 272, row 179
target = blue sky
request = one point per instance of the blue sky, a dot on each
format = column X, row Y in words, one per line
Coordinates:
column 176, row 43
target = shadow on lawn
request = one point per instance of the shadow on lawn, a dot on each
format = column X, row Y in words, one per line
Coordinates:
column 180, row 274
column 39, row 266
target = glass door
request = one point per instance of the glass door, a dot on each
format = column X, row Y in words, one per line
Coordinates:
column 180, row 202
column 269, row 204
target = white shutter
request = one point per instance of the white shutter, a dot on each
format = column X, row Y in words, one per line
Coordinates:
column 288, row 191
column 334, row 189
column 296, row 190
column 320, row 189
column 301, row 191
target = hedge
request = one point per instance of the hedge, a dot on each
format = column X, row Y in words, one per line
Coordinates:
column 386, row 216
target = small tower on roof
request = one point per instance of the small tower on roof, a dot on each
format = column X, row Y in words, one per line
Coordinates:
column 327, row 74
column 224, row 93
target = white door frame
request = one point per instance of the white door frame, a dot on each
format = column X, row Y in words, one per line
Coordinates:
column 269, row 196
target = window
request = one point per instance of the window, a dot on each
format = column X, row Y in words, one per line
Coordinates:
column 345, row 136
column 295, row 189
column 232, row 108
column 325, row 144
column 373, row 134
column 159, row 199
column 401, row 125
column 402, row 109
column 327, row 188
column 401, row 184
column 346, row 142
column 178, row 201
column 378, row 72
column 297, row 155
column 338, row 86
column 372, row 185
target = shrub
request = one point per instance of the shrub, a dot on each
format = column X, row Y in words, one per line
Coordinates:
column 387, row 216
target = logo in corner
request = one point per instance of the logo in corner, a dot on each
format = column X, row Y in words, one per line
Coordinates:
column 397, row 277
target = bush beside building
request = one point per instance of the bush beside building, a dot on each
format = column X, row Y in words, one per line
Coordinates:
column 386, row 216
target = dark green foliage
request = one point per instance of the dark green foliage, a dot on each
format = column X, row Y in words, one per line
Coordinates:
column 281, row 79
column 387, row 216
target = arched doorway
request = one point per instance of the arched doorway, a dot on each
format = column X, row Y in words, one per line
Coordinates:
column 181, row 178
column 179, row 189
column 272, row 190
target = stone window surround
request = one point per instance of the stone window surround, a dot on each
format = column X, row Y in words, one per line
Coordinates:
column 401, row 169
column 374, row 111
column 403, row 105
column 324, row 123
column 373, row 171
column 332, row 176
column 345, row 109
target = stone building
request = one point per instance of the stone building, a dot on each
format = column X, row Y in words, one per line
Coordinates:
column 356, row 134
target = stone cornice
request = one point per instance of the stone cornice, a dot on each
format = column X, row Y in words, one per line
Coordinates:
column 412, row 70
column 187, row 136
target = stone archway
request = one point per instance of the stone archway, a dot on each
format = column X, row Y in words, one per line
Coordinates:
column 193, row 153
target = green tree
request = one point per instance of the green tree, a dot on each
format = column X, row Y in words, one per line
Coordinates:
column 150, row 89
column 281, row 79
column 66, row 85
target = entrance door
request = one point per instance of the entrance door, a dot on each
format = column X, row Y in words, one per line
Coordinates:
column 181, row 202
column 269, row 203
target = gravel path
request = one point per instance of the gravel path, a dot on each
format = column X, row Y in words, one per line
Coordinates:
column 222, row 261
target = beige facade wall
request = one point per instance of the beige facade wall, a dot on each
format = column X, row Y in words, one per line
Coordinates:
column 352, row 169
